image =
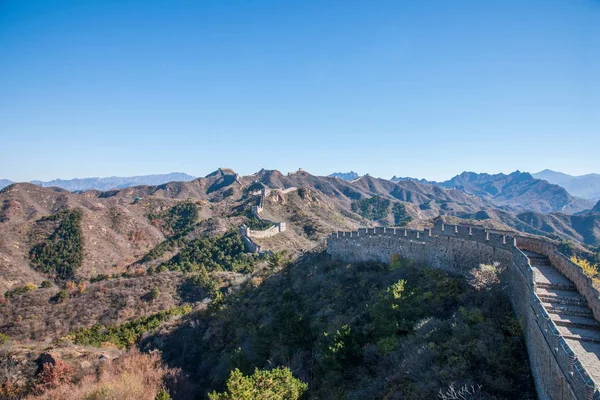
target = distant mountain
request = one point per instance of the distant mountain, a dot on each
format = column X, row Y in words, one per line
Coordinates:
column 348, row 176
column 586, row 186
column 113, row 182
column 596, row 208
column 423, row 181
column 4, row 183
column 519, row 192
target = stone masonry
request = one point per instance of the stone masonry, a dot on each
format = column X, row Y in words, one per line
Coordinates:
column 552, row 296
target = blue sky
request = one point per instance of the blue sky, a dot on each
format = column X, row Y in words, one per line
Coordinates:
column 413, row 88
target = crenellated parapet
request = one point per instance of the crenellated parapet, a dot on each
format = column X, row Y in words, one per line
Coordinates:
column 556, row 365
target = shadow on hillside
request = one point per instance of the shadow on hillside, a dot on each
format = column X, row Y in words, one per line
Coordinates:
column 357, row 331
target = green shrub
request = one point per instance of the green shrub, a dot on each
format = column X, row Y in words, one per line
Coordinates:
column 197, row 286
column 61, row 296
column 401, row 216
column 373, row 208
column 224, row 253
column 276, row 384
column 162, row 395
column 62, row 252
column 180, row 219
column 126, row 334
column 153, row 294
column 3, row 338
column 45, row 284
column 20, row 290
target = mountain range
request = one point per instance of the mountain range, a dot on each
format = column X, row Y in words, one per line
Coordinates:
column 519, row 191
column 585, row 186
column 516, row 192
column 117, row 230
column 113, row 182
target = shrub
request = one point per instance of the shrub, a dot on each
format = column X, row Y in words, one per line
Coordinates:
column 52, row 374
column 132, row 376
column 46, row 284
column 197, row 286
column 62, row 252
column 61, row 296
column 163, row 395
column 152, row 294
column 588, row 268
column 3, row 338
column 20, row 290
column 226, row 252
column 126, row 334
column 276, row 384
column 373, row 208
column 401, row 216
column 179, row 220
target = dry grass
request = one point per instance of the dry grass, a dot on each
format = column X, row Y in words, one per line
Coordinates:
column 134, row 376
column 34, row 316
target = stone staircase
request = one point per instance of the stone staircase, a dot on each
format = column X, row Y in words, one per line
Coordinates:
column 569, row 312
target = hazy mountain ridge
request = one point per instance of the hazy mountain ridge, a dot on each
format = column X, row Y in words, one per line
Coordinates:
column 519, row 191
column 349, row 176
column 407, row 178
column 113, row 182
column 585, row 186
column 4, row 183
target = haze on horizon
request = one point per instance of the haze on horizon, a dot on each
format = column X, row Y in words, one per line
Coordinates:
column 420, row 89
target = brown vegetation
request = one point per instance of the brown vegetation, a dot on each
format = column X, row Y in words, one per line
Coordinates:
column 133, row 376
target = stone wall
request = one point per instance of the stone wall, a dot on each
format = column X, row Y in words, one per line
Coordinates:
column 249, row 234
column 557, row 373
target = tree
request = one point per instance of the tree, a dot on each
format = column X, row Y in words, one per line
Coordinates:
column 275, row 384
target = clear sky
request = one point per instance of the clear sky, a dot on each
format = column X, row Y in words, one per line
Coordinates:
column 388, row 87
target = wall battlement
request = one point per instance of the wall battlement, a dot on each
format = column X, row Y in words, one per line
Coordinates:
column 558, row 372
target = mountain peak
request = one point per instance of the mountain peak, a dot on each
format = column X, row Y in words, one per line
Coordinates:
column 221, row 172
column 348, row 176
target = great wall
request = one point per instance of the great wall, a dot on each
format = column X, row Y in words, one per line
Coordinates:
column 556, row 301
column 248, row 235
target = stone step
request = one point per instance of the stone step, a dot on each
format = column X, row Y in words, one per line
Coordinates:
column 568, row 309
column 560, row 286
column 548, row 277
column 560, row 296
column 575, row 321
column 574, row 333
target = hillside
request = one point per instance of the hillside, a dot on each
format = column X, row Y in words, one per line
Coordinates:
column 113, row 182
column 117, row 229
column 358, row 331
column 164, row 267
column 584, row 186
column 518, row 192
